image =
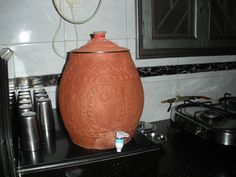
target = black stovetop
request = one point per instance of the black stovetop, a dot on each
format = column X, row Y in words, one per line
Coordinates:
column 185, row 155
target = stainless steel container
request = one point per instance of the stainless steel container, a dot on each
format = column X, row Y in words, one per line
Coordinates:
column 30, row 132
column 24, row 97
column 24, row 108
column 39, row 90
column 36, row 97
column 45, row 114
column 23, row 91
column 24, row 102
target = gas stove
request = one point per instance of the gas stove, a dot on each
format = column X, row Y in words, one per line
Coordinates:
column 213, row 121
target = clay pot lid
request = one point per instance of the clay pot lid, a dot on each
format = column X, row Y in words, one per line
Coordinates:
column 99, row 44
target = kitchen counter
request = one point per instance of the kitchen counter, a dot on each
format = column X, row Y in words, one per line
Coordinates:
column 60, row 157
column 186, row 155
column 183, row 155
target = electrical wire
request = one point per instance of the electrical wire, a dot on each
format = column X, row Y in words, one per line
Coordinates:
column 73, row 21
column 54, row 39
column 58, row 9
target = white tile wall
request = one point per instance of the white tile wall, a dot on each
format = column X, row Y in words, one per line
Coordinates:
column 27, row 21
column 154, row 93
column 130, row 19
column 199, row 86
column 226, row 83
column 28, row 27
column 111, row 18
column 37, row 59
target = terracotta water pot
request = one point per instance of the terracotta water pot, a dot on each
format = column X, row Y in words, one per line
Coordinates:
column 100, row 93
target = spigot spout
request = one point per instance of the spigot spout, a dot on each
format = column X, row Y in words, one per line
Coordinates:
column 120, row 135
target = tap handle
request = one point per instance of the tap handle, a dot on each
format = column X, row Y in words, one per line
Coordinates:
column 121, row 135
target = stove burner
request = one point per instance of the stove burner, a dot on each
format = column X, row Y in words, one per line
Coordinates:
column 211, row 114
column 228, row 102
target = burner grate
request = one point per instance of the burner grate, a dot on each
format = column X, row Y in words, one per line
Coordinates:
column 228, row 102
column 209, row 120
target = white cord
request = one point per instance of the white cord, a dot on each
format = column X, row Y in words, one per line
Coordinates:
column 73, row 21
column 53, row 41
column 70, row 3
